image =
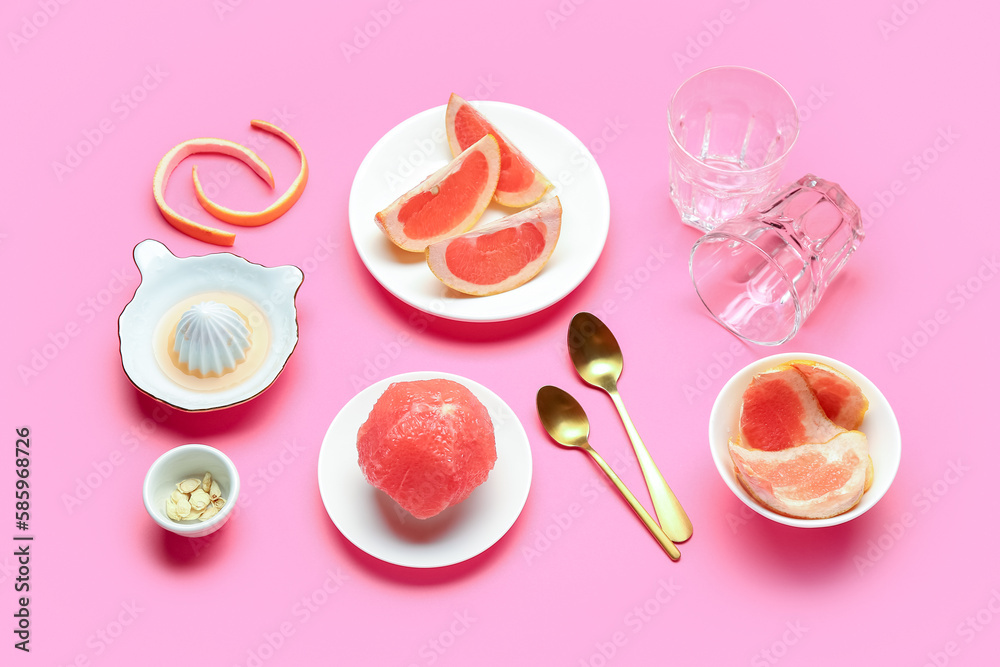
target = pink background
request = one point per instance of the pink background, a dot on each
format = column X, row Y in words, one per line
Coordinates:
column 898, row 104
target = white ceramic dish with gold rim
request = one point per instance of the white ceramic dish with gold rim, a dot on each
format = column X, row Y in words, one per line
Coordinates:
column 169, row 285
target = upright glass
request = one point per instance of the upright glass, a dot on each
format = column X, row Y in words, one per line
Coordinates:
column 731, row 129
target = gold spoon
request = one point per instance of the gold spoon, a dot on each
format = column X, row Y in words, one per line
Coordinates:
column 567, row 423
column 598, row 359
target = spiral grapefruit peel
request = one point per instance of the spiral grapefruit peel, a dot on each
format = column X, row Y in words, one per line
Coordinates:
column 243, row 218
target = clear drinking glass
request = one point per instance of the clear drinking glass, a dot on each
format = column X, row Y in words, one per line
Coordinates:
column 731, row 129
column 762, row 274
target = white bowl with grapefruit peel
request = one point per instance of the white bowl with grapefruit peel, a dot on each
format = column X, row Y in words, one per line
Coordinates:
column 752, row 472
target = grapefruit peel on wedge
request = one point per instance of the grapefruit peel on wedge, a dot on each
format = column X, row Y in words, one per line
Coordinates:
column 212, row 235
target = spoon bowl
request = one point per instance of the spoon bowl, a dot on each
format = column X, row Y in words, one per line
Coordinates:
column 598, row 360
column 566, row 422
column 595, row 352
column 562, row 417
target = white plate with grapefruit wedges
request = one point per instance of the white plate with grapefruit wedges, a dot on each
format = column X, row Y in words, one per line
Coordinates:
column 374, row 523
column 879, row 425
column 417, row 147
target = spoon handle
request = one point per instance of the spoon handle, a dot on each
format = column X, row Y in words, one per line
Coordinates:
column 672, row 517
column 640, row 511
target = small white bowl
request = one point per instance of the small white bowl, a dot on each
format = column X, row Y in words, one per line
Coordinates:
column 880, row 425
column 181, row 463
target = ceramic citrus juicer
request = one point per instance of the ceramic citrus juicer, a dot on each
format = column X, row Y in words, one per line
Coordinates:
column 203, row 333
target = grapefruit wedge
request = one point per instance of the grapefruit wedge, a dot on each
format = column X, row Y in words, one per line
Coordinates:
column 446, row 203
column 810, row 481
column 780, row 411
column 428, row 444
column 840, row 397
column 520, row 183
column 499, row 256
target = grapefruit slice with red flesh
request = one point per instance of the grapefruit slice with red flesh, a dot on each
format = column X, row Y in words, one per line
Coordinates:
column 520, row 183
column 840, row 397
column 447, row 202
column 500, row 256
column 780, row 411
column 810, row 481
column 428, row 444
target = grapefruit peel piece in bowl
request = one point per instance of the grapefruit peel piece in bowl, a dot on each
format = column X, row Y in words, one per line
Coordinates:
column 191, row 147
column 500, row 256
column 448, row 202
column 520, row 184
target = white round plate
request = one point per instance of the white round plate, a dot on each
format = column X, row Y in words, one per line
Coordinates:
column 879, row 425
column 374, row 523
column 417, row 147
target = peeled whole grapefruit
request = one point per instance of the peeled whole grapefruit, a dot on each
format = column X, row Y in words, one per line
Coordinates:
column 447, row 202
column 428, row 444
column 520, row 183
column 500, row 256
